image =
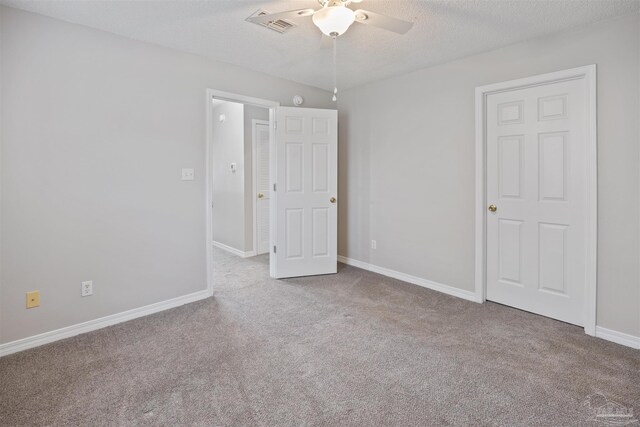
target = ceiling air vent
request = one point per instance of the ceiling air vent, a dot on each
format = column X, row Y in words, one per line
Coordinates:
column 280, row 25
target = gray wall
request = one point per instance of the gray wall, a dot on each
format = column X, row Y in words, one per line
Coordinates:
column 250, row 113
column 1, row 179
column 407, row 162
column 96, row 129
column 228, row 189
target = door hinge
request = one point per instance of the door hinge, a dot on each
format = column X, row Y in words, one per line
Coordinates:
column 274, row 249
column 274, row 187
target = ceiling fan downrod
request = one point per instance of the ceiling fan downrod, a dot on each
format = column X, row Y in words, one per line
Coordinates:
column 335, row 66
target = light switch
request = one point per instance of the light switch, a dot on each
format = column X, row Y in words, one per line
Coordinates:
column 234, row 167
column 187, row 174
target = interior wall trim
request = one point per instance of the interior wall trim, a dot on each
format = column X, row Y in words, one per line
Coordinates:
column 618, row 337
column 103, row 322
column 446, row 289
column 234, row 251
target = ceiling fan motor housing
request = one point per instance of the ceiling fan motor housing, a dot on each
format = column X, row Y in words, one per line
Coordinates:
column 324, row 3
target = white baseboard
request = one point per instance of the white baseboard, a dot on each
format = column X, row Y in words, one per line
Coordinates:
column 618, row 337
column 446, row 289
column 234, row 251
column 603, row 333
column 92, row 325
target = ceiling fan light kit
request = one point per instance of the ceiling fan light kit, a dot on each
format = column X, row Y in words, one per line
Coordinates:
column 334, row 19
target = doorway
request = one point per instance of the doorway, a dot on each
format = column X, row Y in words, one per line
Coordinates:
column 261, row 193
column 233, row 160
column 302, row 187
column 230, row 174
column 536, row 195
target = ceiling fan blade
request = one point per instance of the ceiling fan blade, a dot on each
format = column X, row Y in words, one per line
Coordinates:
column 290, row 14
column 383, row 21
column 326, row 42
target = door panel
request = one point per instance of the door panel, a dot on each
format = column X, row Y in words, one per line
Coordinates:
column 320, row 232
column 552, row 149
column 536, row 163
column 510, row 242
column 552, row 258
column 293, row 167
column 294, row 232
column 510, row 153
column 306, row 192
column 320, row 164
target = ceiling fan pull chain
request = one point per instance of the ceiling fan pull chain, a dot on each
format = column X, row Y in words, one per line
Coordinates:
column 335, row 71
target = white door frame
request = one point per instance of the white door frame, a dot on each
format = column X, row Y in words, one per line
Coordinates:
column 249, row 100
column 588, row 73
column 254, row 166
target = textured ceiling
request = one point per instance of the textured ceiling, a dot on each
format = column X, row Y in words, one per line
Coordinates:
column 444, row 30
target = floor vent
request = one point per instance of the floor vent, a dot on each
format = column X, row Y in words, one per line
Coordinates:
column 279, row 25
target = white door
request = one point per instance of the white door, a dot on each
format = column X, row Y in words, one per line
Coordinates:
column 536, row 180
column 263, row 195
column 306, row 179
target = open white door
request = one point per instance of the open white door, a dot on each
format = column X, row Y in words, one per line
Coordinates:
column 305, row 197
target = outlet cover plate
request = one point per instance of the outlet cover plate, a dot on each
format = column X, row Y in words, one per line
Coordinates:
column 33, row 299
column 87, row 288
column 187, row 174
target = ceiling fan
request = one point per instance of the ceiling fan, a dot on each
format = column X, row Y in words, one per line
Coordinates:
column 334, row 18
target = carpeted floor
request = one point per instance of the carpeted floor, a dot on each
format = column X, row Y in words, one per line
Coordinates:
column 354, row 349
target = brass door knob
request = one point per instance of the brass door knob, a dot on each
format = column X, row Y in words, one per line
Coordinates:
column 493, row 208
column 332, row 200
column 260, row 195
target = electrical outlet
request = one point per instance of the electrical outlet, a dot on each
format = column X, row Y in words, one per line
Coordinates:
column 33, row 299
column 87, row 288
column 374, row 244
column 187, row 174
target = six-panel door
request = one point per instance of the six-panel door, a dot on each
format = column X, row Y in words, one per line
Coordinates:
column 306, row 192
column 536, row 171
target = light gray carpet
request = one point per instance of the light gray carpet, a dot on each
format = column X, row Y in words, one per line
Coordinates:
column 354, row 349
